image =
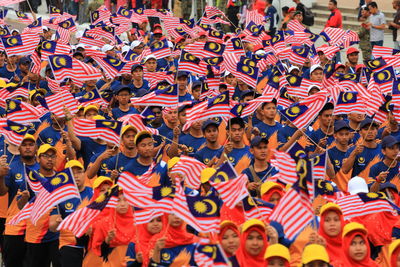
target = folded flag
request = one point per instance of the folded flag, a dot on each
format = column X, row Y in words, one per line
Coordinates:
column 191, row 169
column 232, row 191
column 14, row 132
column 24, row 213
column 21, row 112
column 107, row 130
column 255, row 208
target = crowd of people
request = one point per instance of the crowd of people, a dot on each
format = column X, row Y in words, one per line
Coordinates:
column 175, row 143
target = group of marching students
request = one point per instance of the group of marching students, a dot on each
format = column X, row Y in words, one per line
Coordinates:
column 363, row 157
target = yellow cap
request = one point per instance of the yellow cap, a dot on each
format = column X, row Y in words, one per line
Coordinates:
column 98, row 117
column 314, row 252
column 330, row 206
column 392, row 247
column 140, row 134
column 353, row 226
column 250, row 223
column 277, row 250
column 226, row 223
column 44, row 148
column 29, row 137
column 100, row 180
column 268, row 185
column 73, row 163
column 172, row 162
column 126, row 128
column 89, row 107
column 206, row 174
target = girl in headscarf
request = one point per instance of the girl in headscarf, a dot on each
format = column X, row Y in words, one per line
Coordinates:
column 174, row 246
column 113, row 232
column 142, row 243
column 355, row 246
column 271, row 192
column 394, row 253
column 253, row 243
column 331, row 228
column 277, row 255
column 229, row 237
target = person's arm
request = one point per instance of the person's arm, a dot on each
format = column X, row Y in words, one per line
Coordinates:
column 54, row 222
column 76, row 142
column 95, row 167
column 173, row 150
column 21, row 202
column 292, row 140
column 4, row 169
column 70, row 151
column 379, row 179
column 330, row 171
column 349, row 162
column 160, row 244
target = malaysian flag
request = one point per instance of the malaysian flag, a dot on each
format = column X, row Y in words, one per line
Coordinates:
column 191, row 63
column 254, row 16
column 88, row 40
column 79, row 221
column 232, row 191
column 210, row 255
column 158, row 198
column 15, row 91
column 100, row 32
column 107, row 130
column 136, row 120
column 365, row 203
column 200, row 212
column 166, row 96
column 296, row 26
column 381, row 51
column 298, row 86
column 160, row 49
column 191, row 169
column 318, row 166
column 348, row 102
column 56, row 87
column 385, row 79
column 327, row 189
column 235, row 45
column 304, row 112
column 24, row 213
column 255, row 208
column 245, row 70
column 20, row 45
column 383, row 111
column 212, row 11
column 64, row 66
column 299, row 54
column 23, row 18
column 333, row 36
column 35, row 27
column 143, row 216
column 111, row 66
column 34, row 179
column 55, row 190
column 21, row 112
column 92, row 97
column 49, row 48
column 58, row 102
column 286, row 166
column 14, row 132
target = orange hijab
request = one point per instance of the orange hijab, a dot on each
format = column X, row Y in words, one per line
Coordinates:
column 367, row 261
column 222, row 232
column 267, row 195
column 333, row 243
column 243, row 257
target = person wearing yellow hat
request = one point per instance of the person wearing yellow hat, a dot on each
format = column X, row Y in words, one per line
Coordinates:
column 315, row 255
column 394, row 253
column 100, row 185
column 229, row 237
column 33, row 94
column 356, row 246
column 271, row 192
column 109, row 163
column 71, row 250
column 205, row 187
column 90, row 111
column 12, row 181
column 277, row 255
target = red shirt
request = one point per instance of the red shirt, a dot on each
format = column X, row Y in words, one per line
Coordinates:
column 335, row 19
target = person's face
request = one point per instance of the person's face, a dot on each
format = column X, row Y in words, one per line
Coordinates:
column 171, row 116
column 104, row 187
column 79, row 176
column 236, row 133
column 203, row 38
column 332, row 224
column 11, row 60
column 126, row 77
column 269, row 111
column 331, row 6
column 340, row 70
column 137, row 74
column 391, row 152
column 342, row 137
column 299, row 17
column 123, row 97
column 47, row 160
column 369, row 133
column 157, row 36
column 358, row 249
column 90, row 114
column 27, row 149
column 174, row 221
column 254, row 243
column 295, row 72
column 365, row 13
column 230, row 241
column 276, row 262
column 230, row 79
column 154, row 226
column 111, row 53
column 372, row 10
column 211, row 133
column 317, row 263
column 24, row 67
column 356, row 117
column 123, row 205
column 47, row 34
column 260, row 152
column 247, row 98
column 353, row 58
column 128, row 139
column 182, row 83
column 274, row 199
column 196, row 93
column 182, row 117
column 394, row 5
column 145, row 147
column 158, row 114
column 326, row 118
column 151, row 65
column 138, row 49
column 197, row 125
column 317, row 75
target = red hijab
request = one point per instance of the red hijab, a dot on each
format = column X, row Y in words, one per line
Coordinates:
column 393, row 257
column 222, row 231
column 367, row 261
column 333, row 243
column 243, row 257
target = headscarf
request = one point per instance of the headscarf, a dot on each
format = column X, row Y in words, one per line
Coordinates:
column 225, row 228
column 367, row 261
column 394, row 251
column 243, row 257
column 267, row 195
column 333, row 243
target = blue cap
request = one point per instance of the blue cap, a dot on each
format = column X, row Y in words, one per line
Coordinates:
column 135, row 66
column 367, row 122
column 389, row 141
column 182, row 73
column 208, row 123
column 256, row 141
column 121, row 88
column 340, row 125
column 196, row 83
column 383, row 186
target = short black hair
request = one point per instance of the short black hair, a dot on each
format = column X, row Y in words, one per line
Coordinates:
column 366, row 8
column 235, row 121
column 270, row 1
column 328, row 106
column 334, row 2
column 373, row 4
column 285, row 9
column 142, row 137
column 266, row 103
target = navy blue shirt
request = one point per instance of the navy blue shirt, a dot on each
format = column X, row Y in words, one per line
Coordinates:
column 165, row 131
column 206, row 154
column 123, row 161
column 262, row 175
column 4, row 73
column 186, row 97
column 90, row 148
column 268, row 130
column 336, row 156
column 118, row 113
column 379, row 167
column 136, row 168
column 193, row 143
column 238, row 153
column 316, row 136
column 364, row 158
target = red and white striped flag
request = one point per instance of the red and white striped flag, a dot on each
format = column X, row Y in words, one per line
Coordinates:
column 57, row 102
column 143, row 216
column 20, row 45
column 23, row 214
column 50, row 48
column 161, row 96
column 107, row 130
column 254, row 16
column 286, row 166
column 136, row 120
column 191, row 169
column 212, row 11
column 14, row 132
column 233, row 190
column 55, row 86
column 382, row 51
column 21, row 112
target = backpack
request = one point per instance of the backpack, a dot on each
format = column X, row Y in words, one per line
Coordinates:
column 308, row 18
